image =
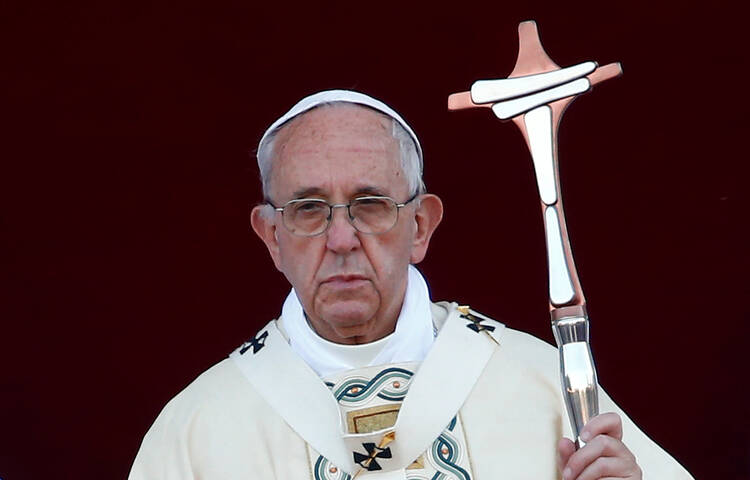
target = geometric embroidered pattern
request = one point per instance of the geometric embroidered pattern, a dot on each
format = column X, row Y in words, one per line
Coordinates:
column 446, row 453
column 325, row 470
column 390, row 384
column 257, row 343
column 476, row 323
column 445, row 459
column 373, row 452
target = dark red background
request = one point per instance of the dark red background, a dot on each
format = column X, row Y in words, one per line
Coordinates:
column 128, row 262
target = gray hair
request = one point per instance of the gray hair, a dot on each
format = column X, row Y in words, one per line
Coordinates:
column 411, row 162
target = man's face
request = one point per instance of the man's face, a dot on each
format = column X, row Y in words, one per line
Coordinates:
column 350, row 284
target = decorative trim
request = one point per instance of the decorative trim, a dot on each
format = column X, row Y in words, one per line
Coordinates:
column 435, row 394
column 357, row 389
column 257, row 343
column 325, row 470
column 446, row 452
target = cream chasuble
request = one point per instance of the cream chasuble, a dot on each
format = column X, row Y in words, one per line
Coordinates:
column 392, row 430
column 484, row 404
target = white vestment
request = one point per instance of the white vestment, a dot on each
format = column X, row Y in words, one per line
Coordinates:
column 484, row 404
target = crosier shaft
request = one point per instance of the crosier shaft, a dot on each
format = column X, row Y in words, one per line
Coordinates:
column 577, row 372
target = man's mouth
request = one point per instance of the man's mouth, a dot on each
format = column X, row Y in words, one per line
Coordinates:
column 346, row 281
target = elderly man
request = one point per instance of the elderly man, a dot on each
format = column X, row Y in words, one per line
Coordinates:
column 362, row 375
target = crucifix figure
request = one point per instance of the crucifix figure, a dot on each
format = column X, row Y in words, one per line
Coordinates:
column 535, row 96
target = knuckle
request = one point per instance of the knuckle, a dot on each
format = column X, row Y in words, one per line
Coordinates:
column 574, row 462
column 603, row 442
column 577, row 461
column 611, row 419
column 606, row 445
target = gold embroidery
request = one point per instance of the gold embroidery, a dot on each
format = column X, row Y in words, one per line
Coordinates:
column 371, row 419
column 417, row 464
column 384, row 442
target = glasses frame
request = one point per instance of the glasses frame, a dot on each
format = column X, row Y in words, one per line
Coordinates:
column 349, row 216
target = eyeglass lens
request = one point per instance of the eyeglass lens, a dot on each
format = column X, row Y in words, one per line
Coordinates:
column 367, row 214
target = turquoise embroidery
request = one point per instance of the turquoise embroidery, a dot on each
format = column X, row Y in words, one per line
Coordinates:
column 446, row 462
column 359, row 389
column 322, row 471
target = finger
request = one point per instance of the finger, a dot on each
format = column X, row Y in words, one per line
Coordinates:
column 604, row 424
column 610, row 467
column 565, row 448
column 600, row 446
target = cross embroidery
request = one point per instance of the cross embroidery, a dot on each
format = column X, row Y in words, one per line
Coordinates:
column 257, row 343
column 368, row 461
column 476, row 323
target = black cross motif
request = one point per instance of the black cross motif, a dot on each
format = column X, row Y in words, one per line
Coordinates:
column 257, row 343
column 476, row 324
column 373, row 452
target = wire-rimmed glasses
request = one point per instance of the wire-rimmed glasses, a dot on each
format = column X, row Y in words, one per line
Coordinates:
column 307, row 217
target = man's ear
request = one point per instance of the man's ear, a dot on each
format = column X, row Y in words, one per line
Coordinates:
column 428, row 216
column 265, row 227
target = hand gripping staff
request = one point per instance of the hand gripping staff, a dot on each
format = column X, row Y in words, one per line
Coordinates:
column 535, row 96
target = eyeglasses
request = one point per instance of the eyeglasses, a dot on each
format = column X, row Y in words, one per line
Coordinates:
column 307, row 217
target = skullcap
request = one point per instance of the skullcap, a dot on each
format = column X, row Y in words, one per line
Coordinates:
column 329, row 96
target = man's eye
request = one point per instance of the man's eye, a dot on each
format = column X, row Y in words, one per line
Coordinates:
column 309, row 207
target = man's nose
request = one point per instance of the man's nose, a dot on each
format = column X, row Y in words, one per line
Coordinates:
column 341, row 234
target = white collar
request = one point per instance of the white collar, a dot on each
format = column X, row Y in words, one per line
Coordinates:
column 410, row 341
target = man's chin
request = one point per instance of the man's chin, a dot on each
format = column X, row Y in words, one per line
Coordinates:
column 348, row 321
column 350, row 314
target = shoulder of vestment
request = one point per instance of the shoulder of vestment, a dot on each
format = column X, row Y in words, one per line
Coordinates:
column 473, row 320
column 221, row 388
column 515, row 345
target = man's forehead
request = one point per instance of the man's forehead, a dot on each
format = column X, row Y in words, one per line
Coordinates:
column 337, row 138
column 342, row 148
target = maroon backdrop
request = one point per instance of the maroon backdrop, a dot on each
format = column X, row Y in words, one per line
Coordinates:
column 129, row 266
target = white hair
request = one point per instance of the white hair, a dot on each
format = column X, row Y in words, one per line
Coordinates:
column 411, row 162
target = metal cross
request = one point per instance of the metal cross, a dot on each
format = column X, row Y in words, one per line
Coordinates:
column 535, row 96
